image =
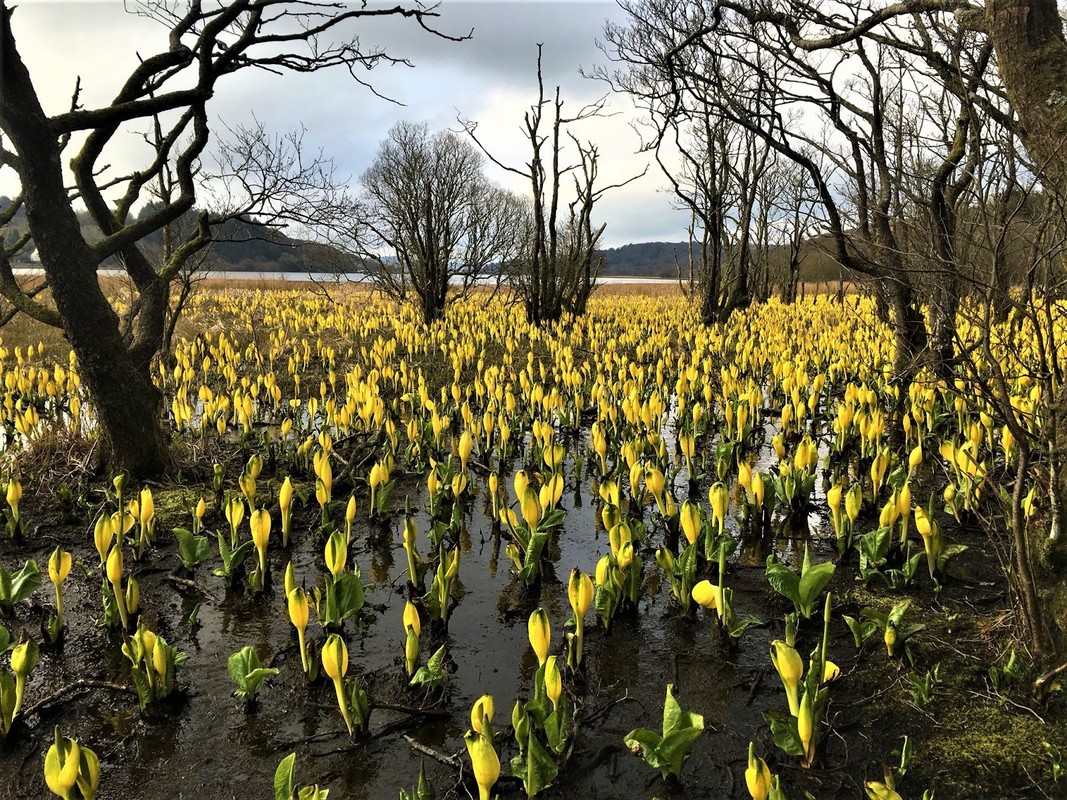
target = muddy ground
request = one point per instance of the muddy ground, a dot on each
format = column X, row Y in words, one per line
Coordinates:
column 969, row 738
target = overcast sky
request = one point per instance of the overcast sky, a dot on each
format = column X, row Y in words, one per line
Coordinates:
column 490, row 79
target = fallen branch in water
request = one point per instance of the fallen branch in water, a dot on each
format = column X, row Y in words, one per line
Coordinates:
column 78, row 685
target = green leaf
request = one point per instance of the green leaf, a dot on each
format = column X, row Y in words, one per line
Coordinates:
column 7, row 700
column 5, row 640
column 192, row 550
column 541, row 769
column 783, row 580
column 874, row 547
column 433, row 673
column 241, row 663
column 144, row 689
column 813, row 580
column 21, row 584
column 645, row 743
column 784, row 729
column 349, row 595
column 896, row 616
column 284, row 777
column 674, row 718
column 675, row 748
column 861, row 631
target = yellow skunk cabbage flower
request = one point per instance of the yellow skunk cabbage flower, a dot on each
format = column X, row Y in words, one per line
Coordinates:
column 350, row 516
column 707, row 594
column 466, row 445
column 744, row 477
column 147, row 512
column 540, row 632
column 876, row 790
column 719, row 499
column 285, row 502
column 580, row 593
column 411, row 651
column 114, row 576
column 655, row 482
column 159, row 659
column 494, row 492
column 530, row 508
column 833, row 498
column 335, row 664
column 235, row 513
column 13, row 495
column 609, row 492
column 58, row 569
column 482, row 714
column 904, row 501
column 485, row 761
column 806, row 728
column 336, row 553
column 922, row 522
column 133, row 595
column 23, row 659
column 759, row 488
column 758, row 775
column 853, row 502
column 830, row 672
column 290, row 578
column 603, row 570
column 62, row 765
column 689, row 516
column 299, row 610
column 553, row 681
column 459, row 484
column 790, row 667
column 259, row 522
column 103, row 535
column 411, row 618
column 778, row 442
column 915, row 457
column 521, row 481
column 551, row 492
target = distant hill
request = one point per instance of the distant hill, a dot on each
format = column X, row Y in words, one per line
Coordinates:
column 646, row 260
column 240, row 246
column 244, row 247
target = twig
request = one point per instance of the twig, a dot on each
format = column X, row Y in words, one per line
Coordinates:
column 1043, row 683
column 435, row 713
column 600, row 713
column 756, row 682
column 78, row 685
column 192, row 585
column 436, row 755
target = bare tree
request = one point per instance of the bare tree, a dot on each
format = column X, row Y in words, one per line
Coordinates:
column 559, row 268
column 207, row 42
column 431, row 222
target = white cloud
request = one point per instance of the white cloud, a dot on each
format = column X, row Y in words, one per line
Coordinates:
column 490, row 79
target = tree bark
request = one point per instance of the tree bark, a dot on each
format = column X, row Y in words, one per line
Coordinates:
column 1032, row 57
column 127, row 403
